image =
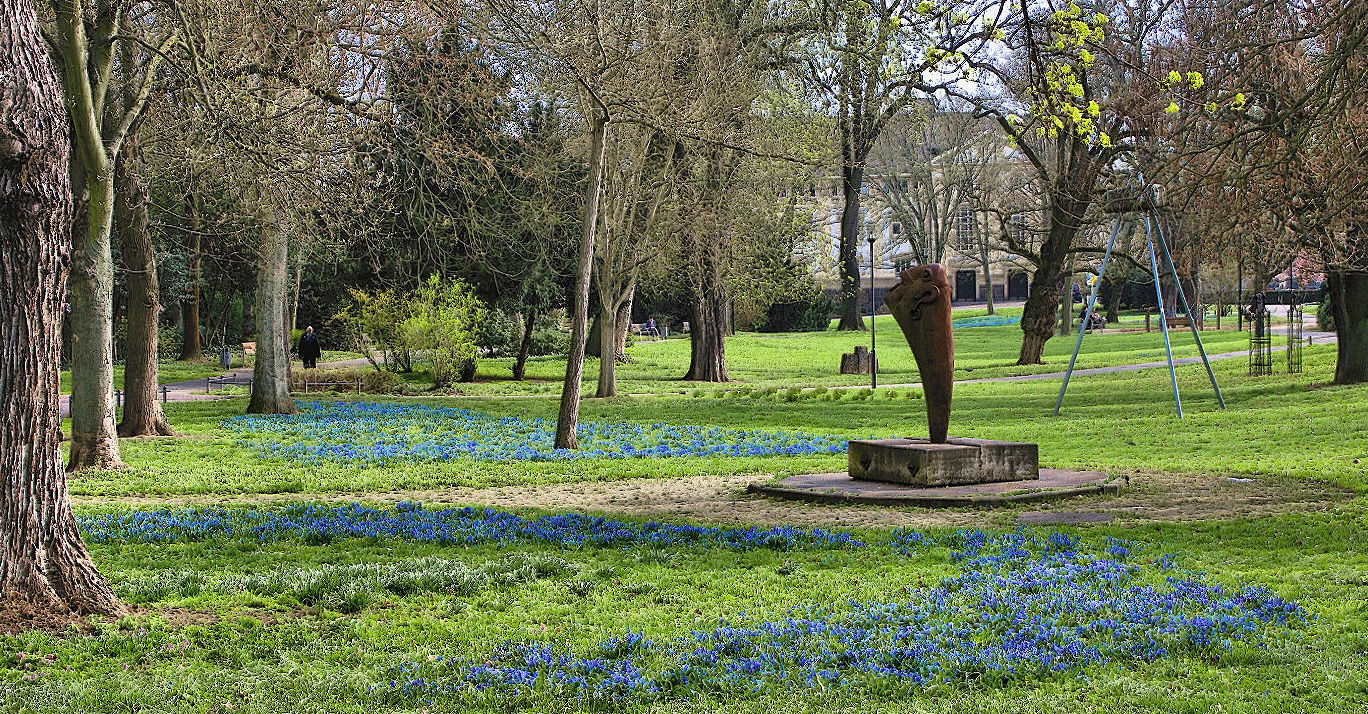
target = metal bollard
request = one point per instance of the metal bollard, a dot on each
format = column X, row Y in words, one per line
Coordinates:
column 118, row 398
column 163, row 391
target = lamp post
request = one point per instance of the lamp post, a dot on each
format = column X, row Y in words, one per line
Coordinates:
column 873, row 355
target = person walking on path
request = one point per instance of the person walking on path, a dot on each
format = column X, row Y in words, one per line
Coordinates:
column 309, row 351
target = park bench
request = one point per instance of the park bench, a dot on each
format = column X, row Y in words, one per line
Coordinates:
column 248, row 353
column 231, row 380
column 354, row 384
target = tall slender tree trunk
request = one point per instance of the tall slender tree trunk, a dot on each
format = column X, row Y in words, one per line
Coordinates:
column 568, row 418
column 852, row 177
column 1349, row 301
column 292, row 316
column 191, row 346
column 271, row 373
column 247, row 324
column 525, row 345
column 607, row 322
column 142, row 412
column 44, row 566
column 94, row 438
column 624, row 323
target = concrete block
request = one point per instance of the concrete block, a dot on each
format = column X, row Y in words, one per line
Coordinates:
column 957, row 462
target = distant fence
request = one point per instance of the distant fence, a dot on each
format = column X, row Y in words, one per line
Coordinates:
column 230, row 381
column 1289, row 297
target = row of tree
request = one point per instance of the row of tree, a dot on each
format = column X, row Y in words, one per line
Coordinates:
column 387, row 141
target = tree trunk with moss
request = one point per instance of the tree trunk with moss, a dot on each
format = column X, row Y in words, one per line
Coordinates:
column 44, row 567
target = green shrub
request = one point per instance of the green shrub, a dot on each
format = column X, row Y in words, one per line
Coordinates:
column 1325, row 316
column 498, row 333
column 373, row 322
column 442, row 323
column 168, row 342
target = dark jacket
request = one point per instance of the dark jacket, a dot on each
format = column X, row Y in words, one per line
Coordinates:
column 308, row 346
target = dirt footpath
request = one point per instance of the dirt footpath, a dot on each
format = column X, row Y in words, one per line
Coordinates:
column 722, row 499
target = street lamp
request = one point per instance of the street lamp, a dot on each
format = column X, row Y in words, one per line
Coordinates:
column 873, row 356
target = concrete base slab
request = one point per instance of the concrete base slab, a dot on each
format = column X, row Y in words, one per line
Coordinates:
column 919, row 462
column 840, row 488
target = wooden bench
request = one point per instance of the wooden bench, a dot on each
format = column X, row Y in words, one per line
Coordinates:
column 248, row 353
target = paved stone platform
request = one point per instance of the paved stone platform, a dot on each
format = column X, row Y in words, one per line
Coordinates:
column 840, row 488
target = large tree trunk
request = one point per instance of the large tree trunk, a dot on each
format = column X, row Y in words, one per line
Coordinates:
column 848, row 250
column 94, row 439
column 142, row 412
column 271, row 373
column 607, row 378
column 525, row 345
column 44, row 566
column 568, row 418
column 709, row 316
column 1039, row 316
column 709, row 305
column 191, row 347
column 1349, row 301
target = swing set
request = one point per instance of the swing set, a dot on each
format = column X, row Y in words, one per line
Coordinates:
column 1126, row 208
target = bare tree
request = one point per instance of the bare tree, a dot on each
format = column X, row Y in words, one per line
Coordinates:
column 104, row 105
column 874, row 60
column 1282, row 145
column 45, row 569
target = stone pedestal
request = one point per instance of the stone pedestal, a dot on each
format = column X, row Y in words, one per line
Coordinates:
column 956, row 462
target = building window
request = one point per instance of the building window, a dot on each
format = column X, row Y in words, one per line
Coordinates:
column 966, row 230
column 895, row 228
column 1020, row 232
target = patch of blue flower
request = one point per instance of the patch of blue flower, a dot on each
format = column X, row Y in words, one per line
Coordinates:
column 1024, row 606
column 369, row 432
column 316, row 524
column 986, row 321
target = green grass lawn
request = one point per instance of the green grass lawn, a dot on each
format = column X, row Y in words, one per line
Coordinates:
column 812, row 359
column 199, row 641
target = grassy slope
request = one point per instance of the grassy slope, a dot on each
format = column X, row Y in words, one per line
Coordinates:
column 812, row 359
column 270, row 654
column 1274, row 426
column 304, row 659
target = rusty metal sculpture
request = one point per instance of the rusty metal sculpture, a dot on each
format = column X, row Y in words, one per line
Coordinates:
column 920, row 302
